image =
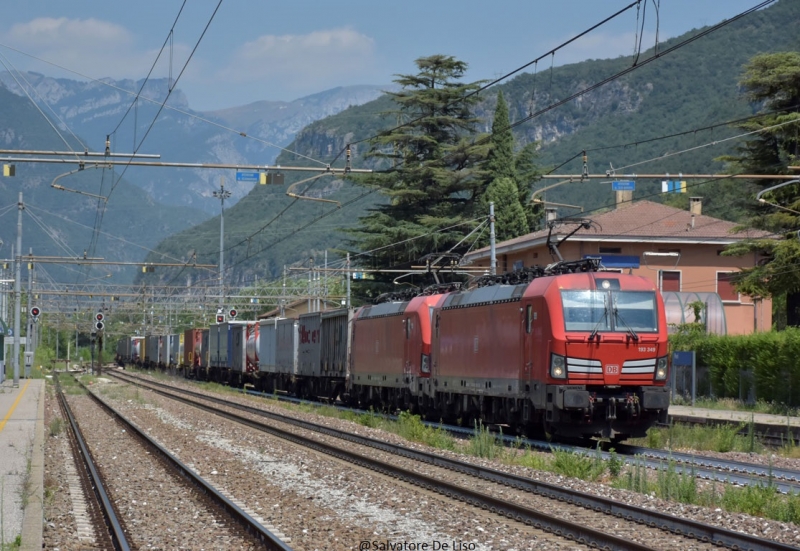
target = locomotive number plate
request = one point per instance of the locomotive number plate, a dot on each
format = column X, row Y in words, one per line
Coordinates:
column 647, row 349
column 612, row 369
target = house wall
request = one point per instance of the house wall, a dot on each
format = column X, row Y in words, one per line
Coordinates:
column 698, row 265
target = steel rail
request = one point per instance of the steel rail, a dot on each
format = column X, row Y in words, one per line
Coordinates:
column 685, row 527
column 560, row 527
column 721, row 464
column 118, row 537
column 254, row 528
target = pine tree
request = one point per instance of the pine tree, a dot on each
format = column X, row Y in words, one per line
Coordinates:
column 430, row 178
column 773, row 80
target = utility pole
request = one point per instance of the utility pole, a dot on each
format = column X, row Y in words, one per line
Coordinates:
column 17, row 290
column 493, row 252
column 310, row 279
column 348, row 276
column 30, row 339
column 283, row 300
column 222, row 194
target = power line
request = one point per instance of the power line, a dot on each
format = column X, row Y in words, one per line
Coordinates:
column 507, row 75
column 152, row 68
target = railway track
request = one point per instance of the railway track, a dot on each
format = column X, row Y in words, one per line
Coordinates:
column 103, row 528
column 769, row 435
column 224, row 519
column 518, row 498
column 739, row 473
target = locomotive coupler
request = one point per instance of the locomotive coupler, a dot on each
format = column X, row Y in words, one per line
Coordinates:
column 632, row 405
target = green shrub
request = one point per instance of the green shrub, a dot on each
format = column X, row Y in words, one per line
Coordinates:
column 770, row 356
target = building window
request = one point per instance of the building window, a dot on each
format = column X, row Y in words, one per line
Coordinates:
column 518, row 265
column 670, row 281
column 611, row 250
column 725, row 288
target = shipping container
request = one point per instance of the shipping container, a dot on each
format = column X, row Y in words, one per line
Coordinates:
column 192, row 347
column 267, row 342
column 335, row 343
column 287, row 343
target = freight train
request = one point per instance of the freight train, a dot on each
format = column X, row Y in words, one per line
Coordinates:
column 568, row 349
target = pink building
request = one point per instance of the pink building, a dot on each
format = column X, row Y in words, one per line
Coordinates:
column 679, row 250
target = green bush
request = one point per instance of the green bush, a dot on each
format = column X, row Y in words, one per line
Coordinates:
column 770, row 356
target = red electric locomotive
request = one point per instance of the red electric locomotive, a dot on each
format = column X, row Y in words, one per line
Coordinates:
column 576, row 354
column 391, row 353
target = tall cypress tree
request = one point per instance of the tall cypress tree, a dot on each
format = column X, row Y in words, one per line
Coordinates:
column 430, row 175
column 500, row 162
column 510, row 221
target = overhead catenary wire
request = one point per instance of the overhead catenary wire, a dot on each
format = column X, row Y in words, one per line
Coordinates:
column 168, row 40
column 102, row 208
column 615, row 76
column 619, row 74
column 168, row 107
column 3, row 61
column 501, row 78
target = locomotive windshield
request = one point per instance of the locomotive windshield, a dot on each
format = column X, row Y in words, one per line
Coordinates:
column 600, row 311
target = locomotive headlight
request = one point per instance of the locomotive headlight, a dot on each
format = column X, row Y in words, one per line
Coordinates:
column 661, row 368
column 558, row 368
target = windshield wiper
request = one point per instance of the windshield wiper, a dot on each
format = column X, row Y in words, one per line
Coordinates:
column 594, row 334
column 633, row 334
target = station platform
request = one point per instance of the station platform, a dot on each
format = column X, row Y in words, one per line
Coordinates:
column 777, row 429
column 22, row 461
column 678, row 412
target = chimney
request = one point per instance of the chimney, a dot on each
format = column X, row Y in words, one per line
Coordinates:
column 623, row 199
column 550, row 214
column 696, row 205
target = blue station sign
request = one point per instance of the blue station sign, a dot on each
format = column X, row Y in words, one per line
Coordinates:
column 623, row 185
column 247, row 177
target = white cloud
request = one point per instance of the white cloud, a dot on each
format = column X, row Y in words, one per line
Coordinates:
column 295, row 62
column 90, row 46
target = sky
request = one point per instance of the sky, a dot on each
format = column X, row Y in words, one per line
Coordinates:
column 262, row 50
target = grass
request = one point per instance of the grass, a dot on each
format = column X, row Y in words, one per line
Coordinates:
column 484, row 443
column 56, row 426
column 760, row 406
column 718, row 438
column 668, row 483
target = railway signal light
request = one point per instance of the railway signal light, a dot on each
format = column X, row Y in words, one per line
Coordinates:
column 35, row 312
column 232, row 313
column 99, row 325
column 220, row 318
column 99, row 316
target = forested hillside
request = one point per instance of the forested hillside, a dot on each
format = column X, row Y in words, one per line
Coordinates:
column 693, row 87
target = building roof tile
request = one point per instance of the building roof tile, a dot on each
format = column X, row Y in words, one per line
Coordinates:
column 640, row 221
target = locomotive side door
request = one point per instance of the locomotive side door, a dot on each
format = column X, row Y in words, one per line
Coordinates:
column 529, row 319
column 408, row 344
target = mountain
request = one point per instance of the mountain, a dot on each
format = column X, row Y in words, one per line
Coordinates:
column 694, row 86
column 60, row 223
column 94, row 110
